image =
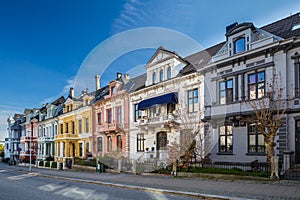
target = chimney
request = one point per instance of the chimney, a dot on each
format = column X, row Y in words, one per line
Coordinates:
column 126, row 78
column 71, row 94
column 97, row 79
column 119, row 75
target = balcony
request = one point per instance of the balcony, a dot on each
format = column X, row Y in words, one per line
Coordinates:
column 158, row 120
column 232, row 109
column 107, row 127
column 66, row 136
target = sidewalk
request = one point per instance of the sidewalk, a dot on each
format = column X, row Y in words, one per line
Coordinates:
column 225, row 188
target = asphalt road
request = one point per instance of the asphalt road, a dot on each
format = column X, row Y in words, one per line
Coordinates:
column 15, row 186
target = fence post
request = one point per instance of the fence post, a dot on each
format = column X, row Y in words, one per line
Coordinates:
column 287, row 160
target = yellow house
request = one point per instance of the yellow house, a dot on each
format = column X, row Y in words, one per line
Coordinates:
column 74, row 137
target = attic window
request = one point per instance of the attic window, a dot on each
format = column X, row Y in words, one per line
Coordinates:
column 239, row 45
column 295, row 27
column 113, row 90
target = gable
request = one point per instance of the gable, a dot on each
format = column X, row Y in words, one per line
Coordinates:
column 159, row 56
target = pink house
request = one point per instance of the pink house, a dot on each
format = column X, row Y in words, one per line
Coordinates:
column 111, row 118
column 29, row 135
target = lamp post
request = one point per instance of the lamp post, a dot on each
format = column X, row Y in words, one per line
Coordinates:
column 30, row 146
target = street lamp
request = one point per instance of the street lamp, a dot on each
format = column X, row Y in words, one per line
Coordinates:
column 30, row 148
column 30, row 142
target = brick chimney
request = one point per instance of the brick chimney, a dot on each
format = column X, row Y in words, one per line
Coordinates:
column 97, row 79
column 71, row 94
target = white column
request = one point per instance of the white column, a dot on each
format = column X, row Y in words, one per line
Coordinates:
column 45, row 149
column 83, row 149
column 51, row 149
column 61, row 149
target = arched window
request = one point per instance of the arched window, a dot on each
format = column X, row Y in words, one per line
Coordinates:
column 161, row 75
column 239, row 45
column 169, row 73
column 153, row 77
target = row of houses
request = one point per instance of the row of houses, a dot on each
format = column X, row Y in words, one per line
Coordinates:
column 199, row 99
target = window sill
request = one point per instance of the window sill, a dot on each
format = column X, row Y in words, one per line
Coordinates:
column 255, row 154
column 226, row 153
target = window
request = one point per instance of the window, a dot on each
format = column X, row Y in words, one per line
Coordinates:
column 61, row 129
column 225, row 139
column 80, row 126
column 256, row 142
column 99, row 118
column 55, row 129
column 226, row 91
column 73, row 127
column 155, row 110
column 113, row 90
column 169, row 73
column 109, row 144
column 119, row 143
column 239, row 45
column 100, row 144
column 153, row 78
column 170, row 107
column 161, row 75
column 109, row 116
column 87, row 147
column 67, row 128
column 140, row 142
column 193, row 100
column 119, row 115
column 87, row 125
column 137, row 112
column 256, row 85
column 80, row 150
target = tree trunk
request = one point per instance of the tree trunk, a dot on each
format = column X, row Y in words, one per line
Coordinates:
column 270, row 149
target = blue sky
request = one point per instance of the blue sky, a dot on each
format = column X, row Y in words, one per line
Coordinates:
column 44, row 43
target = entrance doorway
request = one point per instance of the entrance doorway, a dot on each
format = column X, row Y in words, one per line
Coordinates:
column 161, row 145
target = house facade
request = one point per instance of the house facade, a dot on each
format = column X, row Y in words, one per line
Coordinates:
column 48, row 128
column 28, row 140
column 163, row 112
column 12, row 143
column 111, row 119
column 243, row 71
column 74, row 138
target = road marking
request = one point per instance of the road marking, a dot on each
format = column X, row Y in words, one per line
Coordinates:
column 3, row 170
column 15, row 178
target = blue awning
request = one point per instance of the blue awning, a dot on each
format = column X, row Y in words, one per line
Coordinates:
column 160, row 100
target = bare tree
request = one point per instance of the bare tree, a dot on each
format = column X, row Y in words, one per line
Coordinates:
column 189, row 147
column 268, row 112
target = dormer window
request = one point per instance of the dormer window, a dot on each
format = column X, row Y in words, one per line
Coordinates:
column 239, row 45
column 161, row 75
column 169, row 73
column 153, row 78
column 113, row 90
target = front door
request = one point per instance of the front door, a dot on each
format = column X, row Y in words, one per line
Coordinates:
column 297, row 142
column 162, row 145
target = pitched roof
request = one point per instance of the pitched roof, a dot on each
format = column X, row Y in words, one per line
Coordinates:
column 199, row 59
column 100, row 93
column 284, row 27
column 136, row 83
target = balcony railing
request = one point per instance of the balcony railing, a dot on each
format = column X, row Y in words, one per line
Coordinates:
column 159, row 119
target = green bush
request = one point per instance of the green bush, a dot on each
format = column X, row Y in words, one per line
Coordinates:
column 232, row 171
column 41, row 163
column 54, row 165
column 50, row 158
column 47, row 164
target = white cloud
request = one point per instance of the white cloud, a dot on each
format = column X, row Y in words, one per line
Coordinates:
column 176, row 14
column 65, row 90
